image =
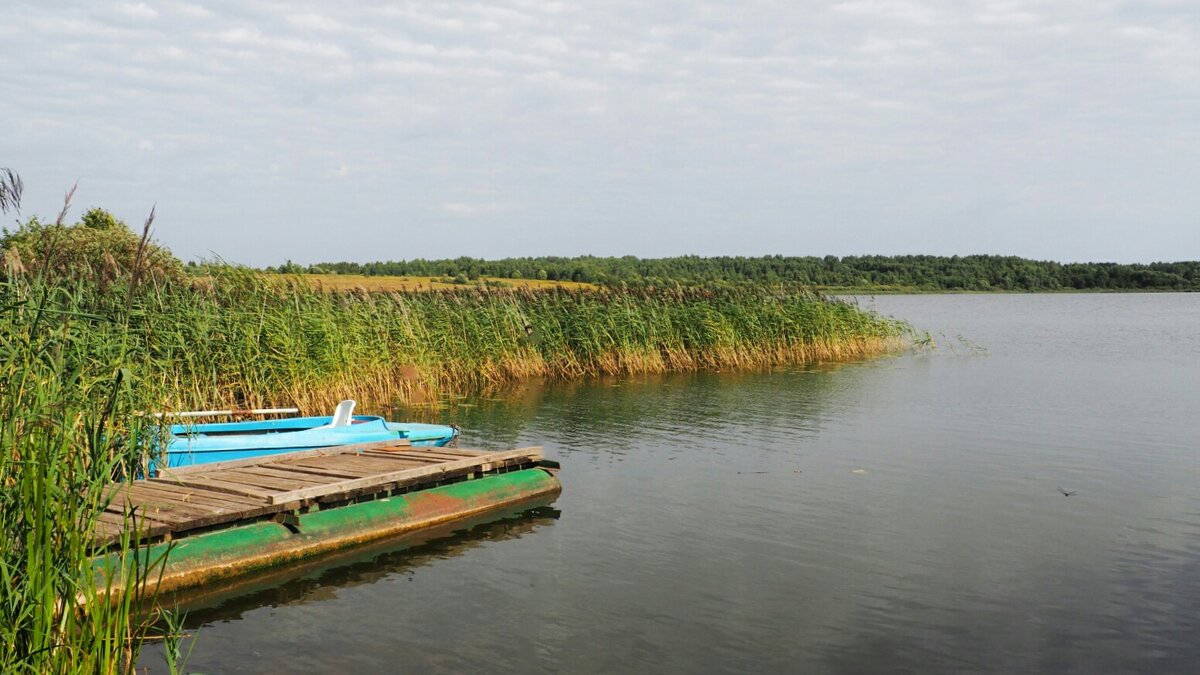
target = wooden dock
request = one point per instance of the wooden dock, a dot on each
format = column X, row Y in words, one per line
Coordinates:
column 281, row 488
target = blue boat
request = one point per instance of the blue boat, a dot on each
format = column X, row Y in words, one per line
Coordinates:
column 219, row 441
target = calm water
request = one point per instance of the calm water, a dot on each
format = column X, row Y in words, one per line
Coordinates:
column 898, row 515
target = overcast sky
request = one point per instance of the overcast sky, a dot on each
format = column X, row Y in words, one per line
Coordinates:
column 265, row 131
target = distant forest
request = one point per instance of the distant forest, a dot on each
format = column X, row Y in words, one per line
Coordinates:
column 921, row 272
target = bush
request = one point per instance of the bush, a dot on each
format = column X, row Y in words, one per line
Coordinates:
column 99, row 247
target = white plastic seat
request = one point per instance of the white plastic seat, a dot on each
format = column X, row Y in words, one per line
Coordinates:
column 343, row 415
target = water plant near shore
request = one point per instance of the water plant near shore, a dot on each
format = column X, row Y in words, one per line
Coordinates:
column 242, row 339
column 65, row 433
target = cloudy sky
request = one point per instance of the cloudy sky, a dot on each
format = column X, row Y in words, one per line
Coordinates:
column 265, row 131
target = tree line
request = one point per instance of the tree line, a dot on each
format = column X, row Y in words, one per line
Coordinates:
column 921, row 272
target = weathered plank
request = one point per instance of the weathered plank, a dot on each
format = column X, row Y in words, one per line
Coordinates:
column 462, row 452
column 417, row 455
column 372, row 464
column 393, row 460
column 340, row 472
column 216, row 485
column 416, row 482
column 155, row 513
column 189, row 512
column 193, row 495
column 150, row 501
column 105, row 532
column 532, row 454
column 149, row 527
column 284, row 473
column 248, row 477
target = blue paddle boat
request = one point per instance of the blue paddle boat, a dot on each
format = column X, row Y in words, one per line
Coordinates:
column 216, row 442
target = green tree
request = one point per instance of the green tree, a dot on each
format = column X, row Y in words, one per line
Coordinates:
column 99, row 247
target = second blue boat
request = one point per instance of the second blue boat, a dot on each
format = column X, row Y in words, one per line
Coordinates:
column 219, row 441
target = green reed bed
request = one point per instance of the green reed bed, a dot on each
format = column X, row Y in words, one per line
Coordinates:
column 238, row 338
column 65, row 433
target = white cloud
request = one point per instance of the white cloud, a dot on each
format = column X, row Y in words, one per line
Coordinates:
column 463, row 209
column 315, row 21
column 1008, row 12
column 137, row 10
column 252, row 36
column 902, row 10
column 190, row 10
column 689, row 115
column 552, row 44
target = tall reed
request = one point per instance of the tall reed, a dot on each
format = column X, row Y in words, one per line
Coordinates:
column 65, row 433
column 238, row 338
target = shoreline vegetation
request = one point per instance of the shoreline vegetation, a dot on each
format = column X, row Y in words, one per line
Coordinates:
column 97, row 322
column 833, row 274
column 237, row 338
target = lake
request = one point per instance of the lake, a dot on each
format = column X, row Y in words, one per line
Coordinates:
column 900, row 514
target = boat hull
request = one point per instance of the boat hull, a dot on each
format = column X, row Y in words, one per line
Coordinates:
column 207, row 443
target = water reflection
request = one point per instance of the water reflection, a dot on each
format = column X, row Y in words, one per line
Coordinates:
column 620, row 414
column 322, row 578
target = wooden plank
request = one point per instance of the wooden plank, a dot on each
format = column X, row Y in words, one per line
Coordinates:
column 484, row 463
column 417, row 455
column 284, row 456
column 426, row 448
column 155, row 512
column 198, row 487
column 321, row 471
column 418, row 482
column 118, row 508
column 111, row 518
column 345, row 471
column 341, row 471
column 149, row 526
column 229, row 510
column 195, row 495
column 105, row 532
column 246, row 477
column 177, row 516
column 395, row 456
column 295, row 476
column 372, row 464
column 111, row 521
column 148, row 499
column 217, row 486
column 197, row 518
column 401, row 460
column 468, row 452
column 435, row 450
column 422, row 480
column 370, row 459
column 166, row 501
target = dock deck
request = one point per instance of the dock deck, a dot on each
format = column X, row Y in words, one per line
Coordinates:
column 201, row 498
